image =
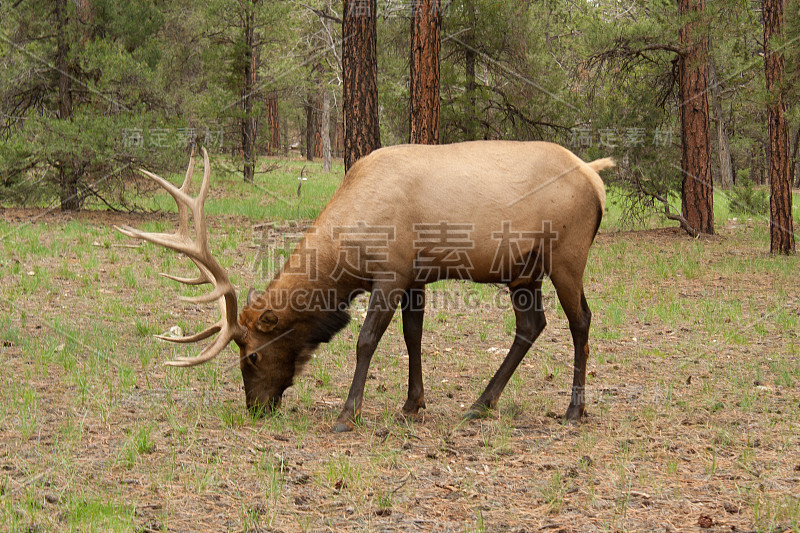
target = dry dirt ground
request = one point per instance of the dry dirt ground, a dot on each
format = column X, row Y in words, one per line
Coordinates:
column 692, row 424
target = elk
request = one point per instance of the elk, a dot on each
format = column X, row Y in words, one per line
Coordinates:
column 487, row 211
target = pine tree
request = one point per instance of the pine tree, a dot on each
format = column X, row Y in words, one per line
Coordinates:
column 360, row 83
column 781, row 230
column 426, row 27
column 697, row 190
column 81, row 100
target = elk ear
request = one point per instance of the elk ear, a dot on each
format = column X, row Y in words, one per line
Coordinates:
column 267, row 321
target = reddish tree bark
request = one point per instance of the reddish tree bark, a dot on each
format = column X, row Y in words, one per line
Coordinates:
column 325, row 131
column 338, row 139
column 780, row 203
column 311, row 129
column 248, row 126
column 426, row 30
column 273, row 124
column 360, row 80
column 697, row 192
column 318, row 126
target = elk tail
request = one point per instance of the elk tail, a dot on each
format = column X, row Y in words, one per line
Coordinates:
column 602, row 164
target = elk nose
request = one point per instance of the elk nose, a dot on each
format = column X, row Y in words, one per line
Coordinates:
column 260, row 409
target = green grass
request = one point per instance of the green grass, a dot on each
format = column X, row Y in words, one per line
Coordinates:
column 272, row 196
column 692, row 390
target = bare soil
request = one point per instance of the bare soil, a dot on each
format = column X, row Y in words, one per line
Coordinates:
column 669, row 443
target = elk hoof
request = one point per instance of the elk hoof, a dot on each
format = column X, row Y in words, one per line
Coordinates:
column 412, row 407
column 477, row 412
column 574, row 414
column 343, row 427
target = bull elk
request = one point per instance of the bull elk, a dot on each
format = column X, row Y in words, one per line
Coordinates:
column 404, row 216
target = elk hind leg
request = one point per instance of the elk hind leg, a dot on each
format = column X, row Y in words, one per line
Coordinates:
column 569, row 287
column 413, row 308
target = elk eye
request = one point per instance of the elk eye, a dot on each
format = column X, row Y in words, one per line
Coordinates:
column 253, row 357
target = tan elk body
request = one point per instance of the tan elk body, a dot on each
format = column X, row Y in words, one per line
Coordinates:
column 404, row 216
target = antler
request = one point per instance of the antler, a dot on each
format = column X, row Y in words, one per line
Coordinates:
column 198, row 251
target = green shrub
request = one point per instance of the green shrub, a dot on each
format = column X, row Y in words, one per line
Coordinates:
column 748, row 200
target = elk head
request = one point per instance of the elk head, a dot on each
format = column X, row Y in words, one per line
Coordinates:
column 269, row 351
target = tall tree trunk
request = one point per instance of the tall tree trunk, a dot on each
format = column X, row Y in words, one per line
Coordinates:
column 338, row 139
column 697, row 194
column 248, row 121
column 311, row 129
column 470, row 86
column 318, row 125
column 273, row 123
column 67, row 175
column 426, row 43
column 756, row 167
column 723, row 145
column 362, row 132
column 780, row 202
column 85, row 15
column 285, row 129
column 326, row 130
column 793, row 167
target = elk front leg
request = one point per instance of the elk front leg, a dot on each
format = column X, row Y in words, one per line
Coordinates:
column 381, row 308
column 413, row 307
column 529, row 312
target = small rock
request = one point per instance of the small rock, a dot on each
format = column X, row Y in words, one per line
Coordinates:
column 151, row 527
column 51, row 498
column 705, row 521
column 302, row 479
column 730, row 508
column 260, row 509
column 174, row 332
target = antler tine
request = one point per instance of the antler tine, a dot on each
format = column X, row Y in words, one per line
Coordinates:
column 199, row 280
column 179, row 195
column 198, row 209
column 186, row 188
column 187, row 181
column 172, row 241
column 206, row 333
column 219, row 344
column 197, row 249
column 209, row 353
column 203, row 278
column 216, row 294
